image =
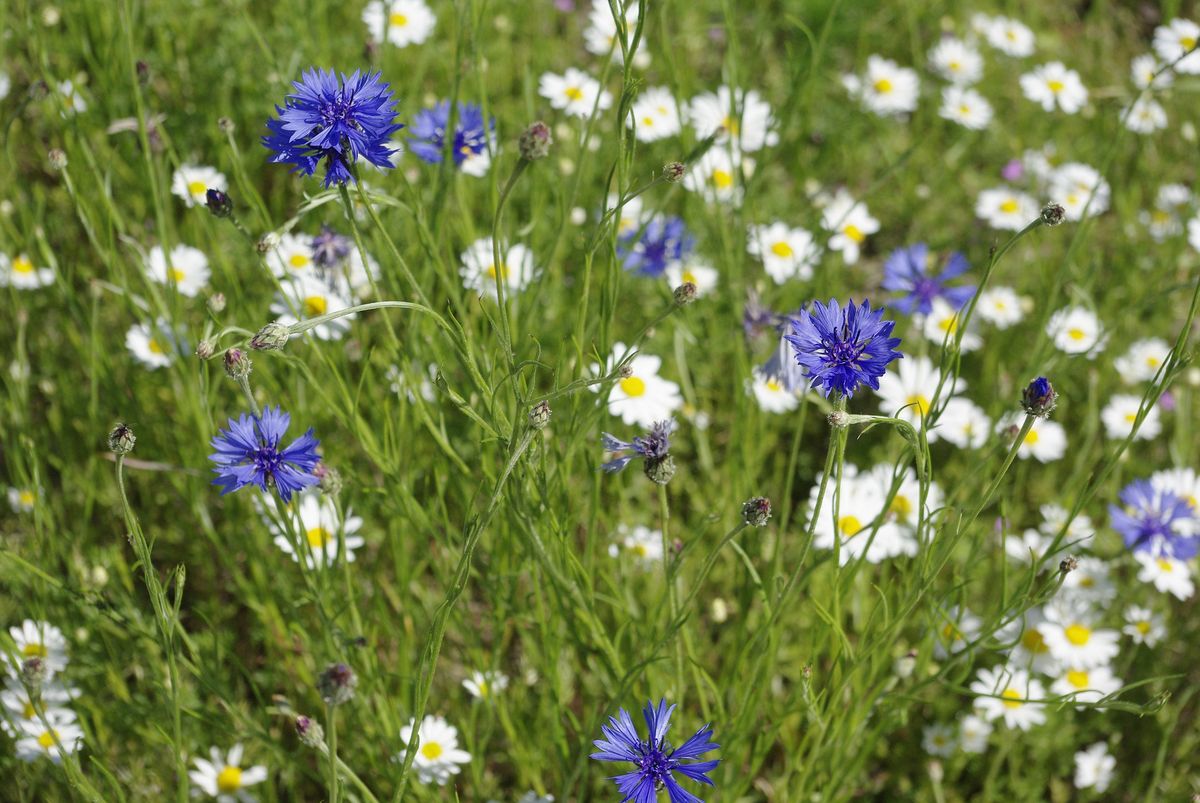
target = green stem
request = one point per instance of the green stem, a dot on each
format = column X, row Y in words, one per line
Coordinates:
column 331, row 739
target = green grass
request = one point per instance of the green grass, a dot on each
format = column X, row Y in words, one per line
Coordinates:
column 487, row 541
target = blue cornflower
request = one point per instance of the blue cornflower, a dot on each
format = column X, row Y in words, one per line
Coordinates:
column 248, row 453
column 657, row 762
column 338, row 122
column 906, row 271
column 470, row 133
column 1156, row 520
column 650, row 249
column 651, row 447
column 330, row 249
column 843, row 348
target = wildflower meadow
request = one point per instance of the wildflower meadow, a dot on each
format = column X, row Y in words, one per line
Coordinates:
column 599, row 400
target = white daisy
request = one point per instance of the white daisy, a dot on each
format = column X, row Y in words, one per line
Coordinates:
column 703, row 276
column 955, row 629
column 643, row 397
column 1120, row 414
column 154, row 346
column 292, row 256
column 305, row 296
column 1143, row 359
column 740, row 117
column 1000, row 306
column 35, row 740
column 1054, row 86
column 770, row 393
column 1164, row 220
column 1077, row 187
column 973, row 733
column 966, row 107
column 22, row 500
column 1088, row 584
column 905, row 501
column 963, row 423
column 1074, row 639
column 1009, row 694
column 483, row 685
column 223, row 778
column 786, row 253
column 575, row 92
column 940, row 739
column 1010, row 37
column 1174, row 39
column 479, row 271
column 192, row 183
column 1080, row 530
column 1145, row 116
column 716, row 177
column 861, row 507
column 399, row 382
column 1006, row 209
column 850, row 223
column 1029, row 650
column 886, row 88
column 71, row 102
column 1046, row 441
column 654, row 114
column 1183, row 482
column 1143, row 626
column 1076, row 330
column 1170, row 576
column 906, row 391
column 941, row 326
column 319, row 525
column 20, row 273
column 187, row 269
column 642, row 543
column 1028, row 546
column 1094, row 768
column 401, row 22
column 21, row 710
column 956, row 61
column 40, row 640
column 1145, row 72
column 438, row 755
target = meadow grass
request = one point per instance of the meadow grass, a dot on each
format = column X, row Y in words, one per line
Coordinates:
column 487, row 538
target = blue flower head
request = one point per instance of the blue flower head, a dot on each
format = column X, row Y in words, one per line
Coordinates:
column 655, row 760
column 650, row 249
column 330, row 249
column 470, row 133
column 651, row 447
column 1156, row 520
column 335, row 121
column 843, row 348
column 248, row 453
column 906, row 270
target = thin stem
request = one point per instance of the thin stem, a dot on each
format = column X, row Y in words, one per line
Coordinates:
column 331, row 740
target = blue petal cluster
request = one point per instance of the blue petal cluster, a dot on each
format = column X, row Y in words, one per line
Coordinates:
column 1156, row 520
column 655, row 760
column 843, row 348
column 906, row 271
column 334, row 121
column 248, row 453
column 471, row 134
column 650, row 249
column 653, row 446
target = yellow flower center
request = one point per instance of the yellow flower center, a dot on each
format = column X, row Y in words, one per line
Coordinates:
column 774, row 386
column 1142, row 627
column 155, row 347
column 28, row 713
column 1031, row 437
column 1130, row 418
column 299, row 261
column 1010, row 35
column 964, row 108
column 22, row 265
column 883, row 86
column 632, row 386
column 1165, row 565
column 1087, row 582
column 1032, row 641
column 730, row 124
column 431, row 750
column 1012, row 697
column 723, row 179
column 1055, row 86
column 948, row 325
column 782, row 249
column 26, row 498
column 46, row 740
column 647, row 121
column 920, row 402
column 954, row 66
column 640, row 550
column 317, row 537
column 229, row 779
column 1009, row 206
column 1077, row 678
column 1153, row 362
column 397, row 20
column 196, row 188
column 951, row 634
column 315, row 305
column 176, row 274
column 850, row 526
column 502, row 273
column 1188, row 42
column 1076, row 334
column 574, row 93
column 34, row 651
column 902, row 507
column 854, row 233
column 688, row 276
column 1078, row 634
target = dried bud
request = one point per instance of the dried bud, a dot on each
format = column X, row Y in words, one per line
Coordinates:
column 205, row 349
column 756, row 512
column 268, row 243
column 625, row 371
column 225, row 124
column 57, row 158
column 272, row 337
column 121, row 439
column 337, row 684
column 329, row 479
column 1039, row 397
column 1053, row 214
column 838, row 419
column 674, row 171
column 685, row 293
column 310, row 732
column 237, row 364
column 220, row 204
column 539, row 415
column 535, row 142
column 216, row 303
column 660, row 471
column 34, row 673
column 1068, row 564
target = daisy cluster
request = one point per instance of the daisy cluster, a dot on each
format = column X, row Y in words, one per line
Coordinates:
column 36, row 698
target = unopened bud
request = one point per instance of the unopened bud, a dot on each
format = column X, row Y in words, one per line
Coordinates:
column 329, row 479
column 271, row 337
column 838, row 419
column 625, row 371
column 1068, row 564
column 1053, row 214
column 660, row 471
column 337, row 684
column 205, row 349
column 225, row 124
column 535, row 142
column 216, row 303
column 268, row 243
column 539, row 415
column 121, row 439
column 674, row 171
column 237, row 364
column 756, row 512
column 57, row 159
column 34, row 673
column 1039, row 397
column 685, row 293
column 143, row 72
column 220, row 204
column 310, row 732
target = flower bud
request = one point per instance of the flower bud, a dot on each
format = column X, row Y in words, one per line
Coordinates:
column 756, row 512
column 226, row 125
column 539, row 415
column 220, row 204
column 674, row 171
column 216, row 303
column 329, row 479
column 1068, row 564
column 121, row 439
column 685, row 293
column 268, row 243
column 1039, row 397
column 237, row 364
column 143, row 72
column 205, row 349
column 34, row 672
column 337, row 684
column 310, row 732
column 1053, row 214
column 535, row 142
column 660, row 471
column 57, row 158
column 625, row 371
column 272, row 337
column 838, row 419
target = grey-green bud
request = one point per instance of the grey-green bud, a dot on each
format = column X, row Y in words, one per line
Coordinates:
column 121, row 439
